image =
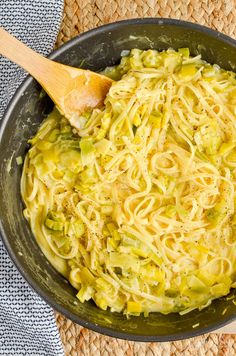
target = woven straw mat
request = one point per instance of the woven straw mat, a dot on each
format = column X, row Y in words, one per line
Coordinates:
column 83, row 15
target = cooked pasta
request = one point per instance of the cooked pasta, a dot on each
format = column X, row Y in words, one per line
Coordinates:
column 136, row 206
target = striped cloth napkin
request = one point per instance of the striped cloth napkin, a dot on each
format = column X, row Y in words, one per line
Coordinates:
column 27, row 324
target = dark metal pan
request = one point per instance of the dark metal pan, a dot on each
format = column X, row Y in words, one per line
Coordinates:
column 95, row 50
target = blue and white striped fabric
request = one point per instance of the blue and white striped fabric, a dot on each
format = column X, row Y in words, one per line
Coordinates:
column 27, row 324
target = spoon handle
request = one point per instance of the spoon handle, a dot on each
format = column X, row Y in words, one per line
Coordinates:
column 73, row 90
column 38, row 66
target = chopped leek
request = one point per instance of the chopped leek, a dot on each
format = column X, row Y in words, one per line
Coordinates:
column 134, row 307
column 87, row 151
column 184, row 51
column 85, row 293
column 187, row 71
column 54, row 225
column 19, row 160
column 78, row 227
column 123, row 261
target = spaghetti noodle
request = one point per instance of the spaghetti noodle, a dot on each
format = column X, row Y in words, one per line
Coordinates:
column 136, row 207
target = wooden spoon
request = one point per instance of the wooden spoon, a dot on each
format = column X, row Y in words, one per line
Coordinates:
column 73, row 90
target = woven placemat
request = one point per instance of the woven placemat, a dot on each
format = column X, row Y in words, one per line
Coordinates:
column 79, row 341
column 83, row 15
